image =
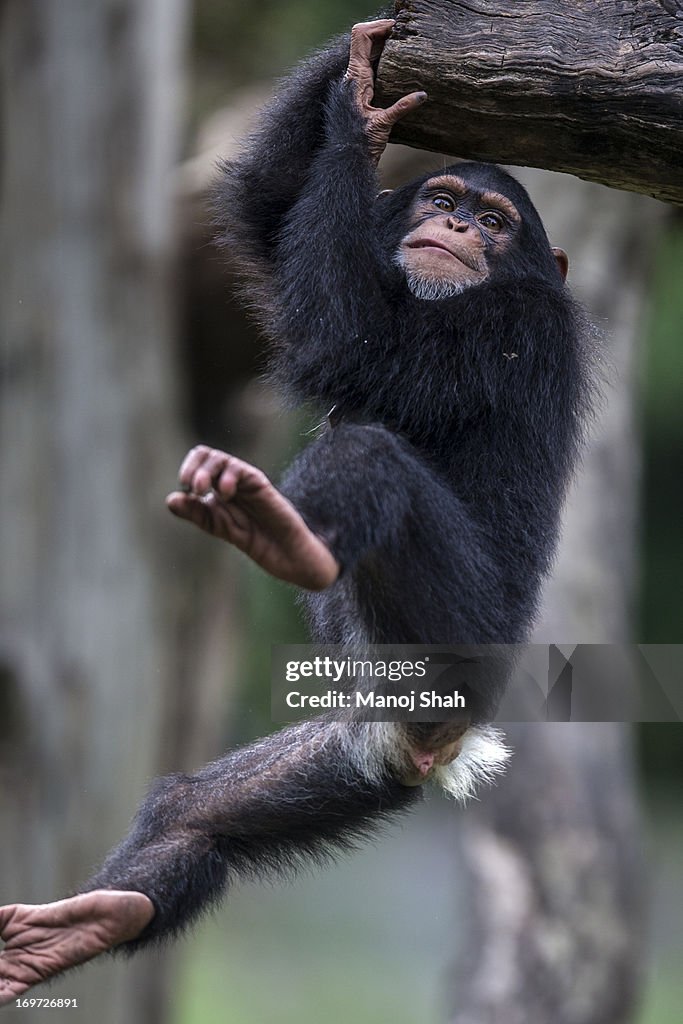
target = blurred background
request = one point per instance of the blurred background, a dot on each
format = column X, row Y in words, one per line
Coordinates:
column 130, row 647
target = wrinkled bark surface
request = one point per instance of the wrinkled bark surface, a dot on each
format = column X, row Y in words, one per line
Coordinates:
column 591, row 88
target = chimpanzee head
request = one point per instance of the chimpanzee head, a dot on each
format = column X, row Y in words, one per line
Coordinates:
column 467, row 225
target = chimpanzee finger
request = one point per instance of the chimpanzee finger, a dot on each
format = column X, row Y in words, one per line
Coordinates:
column 367, row 40
column 240, row 479
column 406, row 105
column 191, row 463
column 219, row 466
column 193, row 509
column 209, row 470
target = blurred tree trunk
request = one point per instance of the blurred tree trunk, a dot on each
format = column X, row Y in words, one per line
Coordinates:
column 88, row 446
column 550, row 858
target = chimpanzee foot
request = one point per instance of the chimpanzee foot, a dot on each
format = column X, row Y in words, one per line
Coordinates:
column 236, row 502
column 43, row 940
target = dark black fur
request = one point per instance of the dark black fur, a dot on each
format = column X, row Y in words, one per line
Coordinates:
column 255, row 812
column 439, row 490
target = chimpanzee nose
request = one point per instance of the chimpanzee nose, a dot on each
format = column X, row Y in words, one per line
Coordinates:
column 455, row 224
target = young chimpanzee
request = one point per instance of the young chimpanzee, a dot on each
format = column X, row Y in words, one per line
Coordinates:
column 435, row 323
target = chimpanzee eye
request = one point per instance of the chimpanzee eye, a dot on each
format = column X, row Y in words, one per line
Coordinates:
column 493, row 222
column 444, row 203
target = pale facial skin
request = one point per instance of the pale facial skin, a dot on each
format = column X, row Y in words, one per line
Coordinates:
column 455, row 234
column 456, row 231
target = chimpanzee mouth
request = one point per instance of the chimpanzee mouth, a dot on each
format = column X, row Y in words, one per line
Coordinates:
column 433, row 243
column 429, row 243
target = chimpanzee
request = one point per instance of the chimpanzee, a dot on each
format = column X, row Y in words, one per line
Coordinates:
column 434, row 322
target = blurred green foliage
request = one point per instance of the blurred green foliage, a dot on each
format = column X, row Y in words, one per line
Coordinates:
column 662, row 586
column 236, row 44
column 661, row 595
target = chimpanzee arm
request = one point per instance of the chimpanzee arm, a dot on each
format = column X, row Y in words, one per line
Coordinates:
column 334, row 280
column 255, row 191
column 297, row 211
column 330, row 270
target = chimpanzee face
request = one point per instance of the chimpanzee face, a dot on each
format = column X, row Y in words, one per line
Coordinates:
column 456, row 235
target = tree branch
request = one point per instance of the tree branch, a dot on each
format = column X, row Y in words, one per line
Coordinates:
column 593, row 89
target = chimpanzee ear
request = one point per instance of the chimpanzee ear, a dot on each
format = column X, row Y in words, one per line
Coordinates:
column 384, row 192
column 562, row 262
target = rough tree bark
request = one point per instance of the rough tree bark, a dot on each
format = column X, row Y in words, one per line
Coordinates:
column 592, row 88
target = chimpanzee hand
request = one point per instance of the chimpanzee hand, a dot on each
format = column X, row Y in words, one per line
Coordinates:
column 237, row 502
column 367, row 43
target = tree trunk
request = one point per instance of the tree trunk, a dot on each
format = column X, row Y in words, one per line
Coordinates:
column 550, row 859
column 88, row 446
column 592, row 88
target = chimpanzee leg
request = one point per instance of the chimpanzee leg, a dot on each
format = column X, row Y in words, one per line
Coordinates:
column 261, row 809
column 257, row 810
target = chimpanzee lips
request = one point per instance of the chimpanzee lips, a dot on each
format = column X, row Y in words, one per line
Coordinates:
column 429, row 243
column 434, row 243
